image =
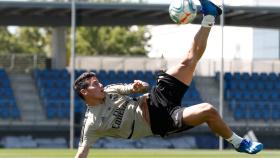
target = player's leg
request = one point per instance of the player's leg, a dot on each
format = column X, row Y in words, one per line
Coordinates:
column 82, row 152
column 185, row 69
column 206, row 113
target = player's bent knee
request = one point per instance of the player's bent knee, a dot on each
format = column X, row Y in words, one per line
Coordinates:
column 209, row 111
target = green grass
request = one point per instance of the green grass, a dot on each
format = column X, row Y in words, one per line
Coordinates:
column 125, row 153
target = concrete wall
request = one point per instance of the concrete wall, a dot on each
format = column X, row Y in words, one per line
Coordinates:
column 119, row 63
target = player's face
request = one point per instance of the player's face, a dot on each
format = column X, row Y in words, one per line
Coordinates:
column 95, row 89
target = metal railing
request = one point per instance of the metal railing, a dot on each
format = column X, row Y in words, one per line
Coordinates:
column 209, row 67
column 206, row 67
column 22, row 62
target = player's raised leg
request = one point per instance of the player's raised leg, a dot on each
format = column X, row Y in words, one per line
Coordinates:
column 206, row 113
column 185, row 69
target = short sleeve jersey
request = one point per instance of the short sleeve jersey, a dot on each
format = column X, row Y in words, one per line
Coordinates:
column 119, row 116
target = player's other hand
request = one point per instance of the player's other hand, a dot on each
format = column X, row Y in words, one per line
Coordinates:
column 140, row 86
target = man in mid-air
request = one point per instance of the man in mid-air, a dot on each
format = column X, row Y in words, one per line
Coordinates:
column 112, row 113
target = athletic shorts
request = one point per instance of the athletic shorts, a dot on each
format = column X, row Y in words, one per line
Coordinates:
column 164, row 102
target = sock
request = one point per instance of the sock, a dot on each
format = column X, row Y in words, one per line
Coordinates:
column 235, row 140
column 208, row 21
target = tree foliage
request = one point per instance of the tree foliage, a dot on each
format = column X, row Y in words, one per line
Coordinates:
column 7, row 41
column 90, row 40
column 112, row 40
column 34, row 40
column 30, row 40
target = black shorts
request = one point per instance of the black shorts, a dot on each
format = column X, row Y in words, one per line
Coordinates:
column 164, row 104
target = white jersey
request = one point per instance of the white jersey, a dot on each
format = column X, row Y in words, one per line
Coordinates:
column 119, row 116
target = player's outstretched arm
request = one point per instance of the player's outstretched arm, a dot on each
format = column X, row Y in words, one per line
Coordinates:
column 82, row 152
column 137, row 86
column 140, row 86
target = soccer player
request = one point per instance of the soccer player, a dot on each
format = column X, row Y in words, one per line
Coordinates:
column 112, row 113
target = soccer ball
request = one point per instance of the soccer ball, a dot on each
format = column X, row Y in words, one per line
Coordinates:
column 182, row 11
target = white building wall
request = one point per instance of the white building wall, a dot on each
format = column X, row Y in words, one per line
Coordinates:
column 266, row 44
column 267, row 2
column 266, row 41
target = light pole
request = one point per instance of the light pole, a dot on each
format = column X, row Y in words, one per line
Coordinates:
column 221, row 98
column 72, row 63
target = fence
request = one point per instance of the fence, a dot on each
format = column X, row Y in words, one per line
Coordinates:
column 206, row 67
column 22, row 62
column 210, row 67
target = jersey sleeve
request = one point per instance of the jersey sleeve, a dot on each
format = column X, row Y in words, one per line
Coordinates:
column 88, row 135
column 123, row 89
column 88, row 140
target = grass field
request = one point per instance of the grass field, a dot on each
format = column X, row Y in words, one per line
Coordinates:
column 124, row 153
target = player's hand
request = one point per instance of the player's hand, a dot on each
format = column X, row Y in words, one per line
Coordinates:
column 140, row 86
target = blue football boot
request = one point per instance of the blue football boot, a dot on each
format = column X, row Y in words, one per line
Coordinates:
column 209, row 8
column 247, row 146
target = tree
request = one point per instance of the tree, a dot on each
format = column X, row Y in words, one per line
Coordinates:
column 7, row 42
column 116, row 40
column 90, row 40
column 112, row 40
column 33, row 40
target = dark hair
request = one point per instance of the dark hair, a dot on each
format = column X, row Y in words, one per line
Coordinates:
column 81, row 82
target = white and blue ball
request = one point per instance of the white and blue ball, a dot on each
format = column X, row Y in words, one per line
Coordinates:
column 182, row 11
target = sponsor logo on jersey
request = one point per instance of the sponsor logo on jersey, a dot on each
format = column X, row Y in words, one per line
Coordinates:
column 118, row 113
